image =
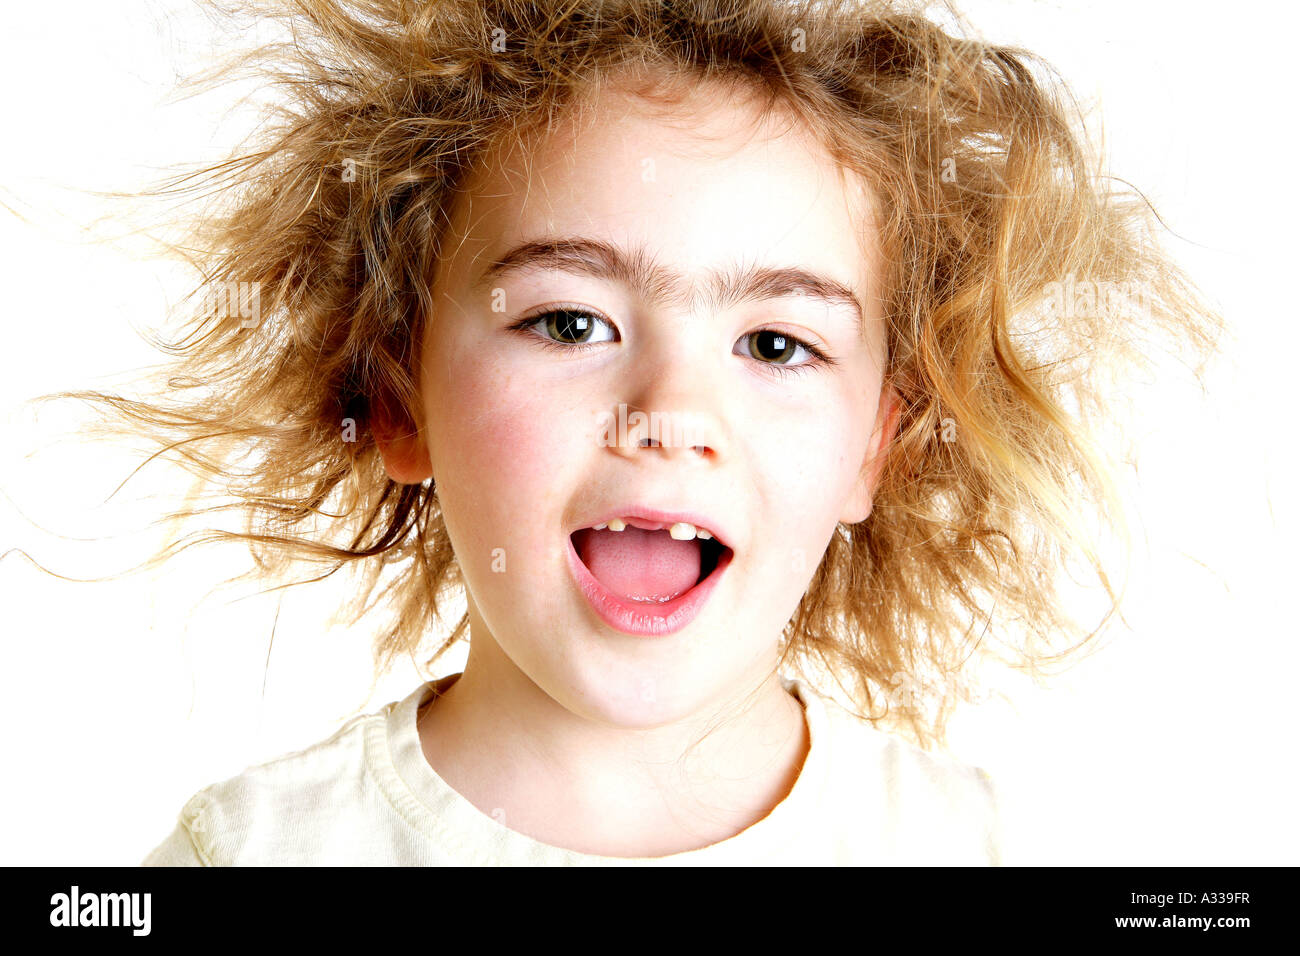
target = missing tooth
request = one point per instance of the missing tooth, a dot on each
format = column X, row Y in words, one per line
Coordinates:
column 710, row 555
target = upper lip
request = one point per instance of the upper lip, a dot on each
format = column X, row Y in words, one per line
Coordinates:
column 654, row 519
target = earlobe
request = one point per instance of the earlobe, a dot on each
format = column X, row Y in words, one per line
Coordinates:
column 406, row 458
column 858, row 506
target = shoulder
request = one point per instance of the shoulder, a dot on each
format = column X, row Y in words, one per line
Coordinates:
column 916, row 806
column 277, row 811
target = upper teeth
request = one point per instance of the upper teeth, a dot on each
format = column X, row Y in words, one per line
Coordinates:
column 682, row 530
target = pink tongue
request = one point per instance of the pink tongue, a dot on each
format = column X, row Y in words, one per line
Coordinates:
column 640, row 565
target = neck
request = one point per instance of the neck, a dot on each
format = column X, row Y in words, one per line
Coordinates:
column 636, row 781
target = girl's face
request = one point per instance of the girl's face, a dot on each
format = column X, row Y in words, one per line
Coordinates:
column 515, row 429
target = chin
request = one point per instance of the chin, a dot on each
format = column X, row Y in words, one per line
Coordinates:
column 633, row 695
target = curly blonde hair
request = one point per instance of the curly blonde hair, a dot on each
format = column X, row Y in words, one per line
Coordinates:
column 1018, row 278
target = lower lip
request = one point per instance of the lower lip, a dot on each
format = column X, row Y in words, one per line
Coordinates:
column 644, row 619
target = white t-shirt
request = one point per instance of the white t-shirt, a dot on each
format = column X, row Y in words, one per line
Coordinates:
column 367, row 796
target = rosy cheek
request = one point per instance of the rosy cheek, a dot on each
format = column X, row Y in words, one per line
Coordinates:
column 511, row 441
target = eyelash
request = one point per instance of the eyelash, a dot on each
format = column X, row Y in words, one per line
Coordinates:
column 819, row 358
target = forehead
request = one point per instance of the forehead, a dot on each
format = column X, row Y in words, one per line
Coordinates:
column 705, row 184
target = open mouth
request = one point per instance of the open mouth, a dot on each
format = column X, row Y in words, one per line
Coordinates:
column 645, row 582
column 647, row 566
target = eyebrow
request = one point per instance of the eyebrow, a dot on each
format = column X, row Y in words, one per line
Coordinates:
column 636, row 268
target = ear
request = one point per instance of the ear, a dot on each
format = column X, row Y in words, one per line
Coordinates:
column 858, row 505
column 406, row 458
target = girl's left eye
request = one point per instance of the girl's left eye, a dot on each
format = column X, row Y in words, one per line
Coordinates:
column 570, row 329
column 781, row 344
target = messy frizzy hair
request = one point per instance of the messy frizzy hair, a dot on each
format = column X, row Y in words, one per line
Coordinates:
column 1017, row 277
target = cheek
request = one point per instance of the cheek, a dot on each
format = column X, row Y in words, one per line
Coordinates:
column 505, row 443
column 810, row 462
column 806, row 451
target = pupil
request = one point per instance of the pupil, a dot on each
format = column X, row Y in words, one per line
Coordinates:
column 782, row 345
column 570, row 325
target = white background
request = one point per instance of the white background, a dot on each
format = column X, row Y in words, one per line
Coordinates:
column 121, row 699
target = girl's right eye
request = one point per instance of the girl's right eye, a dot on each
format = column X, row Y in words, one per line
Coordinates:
column 566, row 328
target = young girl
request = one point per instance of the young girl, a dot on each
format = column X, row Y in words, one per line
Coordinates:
column 704, row 344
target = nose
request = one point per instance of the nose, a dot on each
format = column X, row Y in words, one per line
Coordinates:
column 672, row 406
